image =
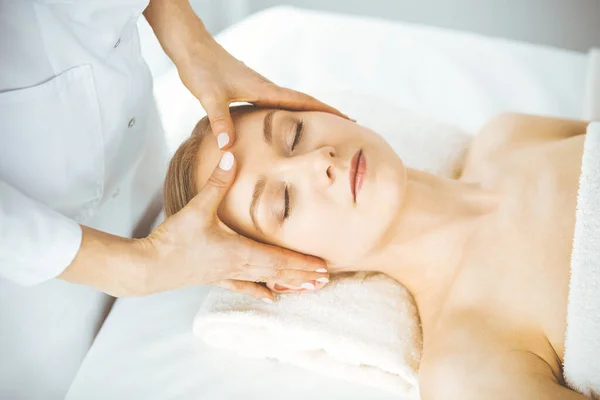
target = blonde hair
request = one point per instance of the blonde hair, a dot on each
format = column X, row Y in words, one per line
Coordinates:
column 180, row 183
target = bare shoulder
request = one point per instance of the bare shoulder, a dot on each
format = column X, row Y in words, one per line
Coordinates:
column 508, row 131
column 472, row 362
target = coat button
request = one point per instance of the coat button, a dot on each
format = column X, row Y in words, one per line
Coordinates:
column 131, row 123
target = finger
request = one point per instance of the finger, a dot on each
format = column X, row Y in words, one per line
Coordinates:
column 208, row 199
column 295, row 279
column 277, row 258
column 221, row 123
column 279, row 97
column 282, row 289
column 248, row 288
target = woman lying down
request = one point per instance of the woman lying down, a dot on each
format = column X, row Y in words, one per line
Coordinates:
column 486, row 255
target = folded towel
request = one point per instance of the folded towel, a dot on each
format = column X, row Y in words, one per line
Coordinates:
column 582, row 341
column 362, row 327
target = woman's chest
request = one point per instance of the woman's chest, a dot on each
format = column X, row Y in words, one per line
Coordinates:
column 518, row 267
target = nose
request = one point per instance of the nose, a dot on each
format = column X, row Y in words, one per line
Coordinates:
column 317, row 165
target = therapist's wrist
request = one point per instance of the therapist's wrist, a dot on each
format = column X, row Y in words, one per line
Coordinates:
column 179, row 30
column 147, row 261
column 194, row 43
column 197, row 49
column 109, row 263
column 162, row 264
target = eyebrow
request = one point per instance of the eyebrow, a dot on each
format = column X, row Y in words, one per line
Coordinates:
column 259, row 188
column 268, row 127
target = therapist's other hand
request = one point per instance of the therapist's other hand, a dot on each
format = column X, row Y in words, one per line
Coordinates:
column 195, row 247
column 218, row 79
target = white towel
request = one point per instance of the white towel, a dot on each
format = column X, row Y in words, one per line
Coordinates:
column 582, row 341
column 362, row 327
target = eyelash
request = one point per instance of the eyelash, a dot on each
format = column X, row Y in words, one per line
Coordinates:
column 298, row 136
column 286, row 203
column 286, row 191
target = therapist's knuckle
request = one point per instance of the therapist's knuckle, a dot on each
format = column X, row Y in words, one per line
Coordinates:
column 275, row 103
column 280, row 261
column 307, row 261
column 218, row 119
column 214, row 104
column 240, row 250
column 234, row 272
column 276, row 276
column 217, row 181
column 238, row 267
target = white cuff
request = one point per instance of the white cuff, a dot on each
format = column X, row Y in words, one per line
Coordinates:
column 36, row 242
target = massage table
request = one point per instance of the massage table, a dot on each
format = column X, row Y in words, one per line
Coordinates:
column 146, row 349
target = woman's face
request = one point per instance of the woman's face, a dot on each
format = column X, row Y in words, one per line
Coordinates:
column 297, row 186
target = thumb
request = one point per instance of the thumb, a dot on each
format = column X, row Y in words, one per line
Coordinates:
column 213, row 192
column 221, row 123
column 248, row 288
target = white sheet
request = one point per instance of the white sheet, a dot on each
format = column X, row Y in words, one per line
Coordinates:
column 146, row 349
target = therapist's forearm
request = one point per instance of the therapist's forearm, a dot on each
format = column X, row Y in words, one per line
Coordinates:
column 180, row 32
column 112, row 264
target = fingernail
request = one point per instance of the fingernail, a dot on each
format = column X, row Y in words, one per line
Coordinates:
column 323, row 280
column 307, row 286
column 222, row 139
column 226, row 161
column 267, row 300
column 322, row 270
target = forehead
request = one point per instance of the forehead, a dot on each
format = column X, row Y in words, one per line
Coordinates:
column 249, row 143
column 248, row 123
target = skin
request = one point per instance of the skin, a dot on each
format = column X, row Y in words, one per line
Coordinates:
column 193, row 247
column 486, row 256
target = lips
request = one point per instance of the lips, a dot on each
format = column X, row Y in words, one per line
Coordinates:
column 358, row 167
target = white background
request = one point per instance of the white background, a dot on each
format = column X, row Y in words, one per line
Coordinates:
column 570, row 24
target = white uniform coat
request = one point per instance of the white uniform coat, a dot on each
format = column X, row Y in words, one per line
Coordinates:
column 80, row 143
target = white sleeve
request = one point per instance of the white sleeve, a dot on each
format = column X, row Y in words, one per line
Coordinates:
column 36, row 242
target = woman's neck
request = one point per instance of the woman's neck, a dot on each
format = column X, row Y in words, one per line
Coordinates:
column 426, row 245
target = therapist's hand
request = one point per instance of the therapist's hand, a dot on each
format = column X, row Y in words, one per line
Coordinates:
column 213, row 75
column 194, row 247
column 218, row 79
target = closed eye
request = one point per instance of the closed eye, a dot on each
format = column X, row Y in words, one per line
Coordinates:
column 298, row 135
column 286, row 203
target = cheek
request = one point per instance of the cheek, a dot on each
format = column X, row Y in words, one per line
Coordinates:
column 348, row 235
column 324, row 230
